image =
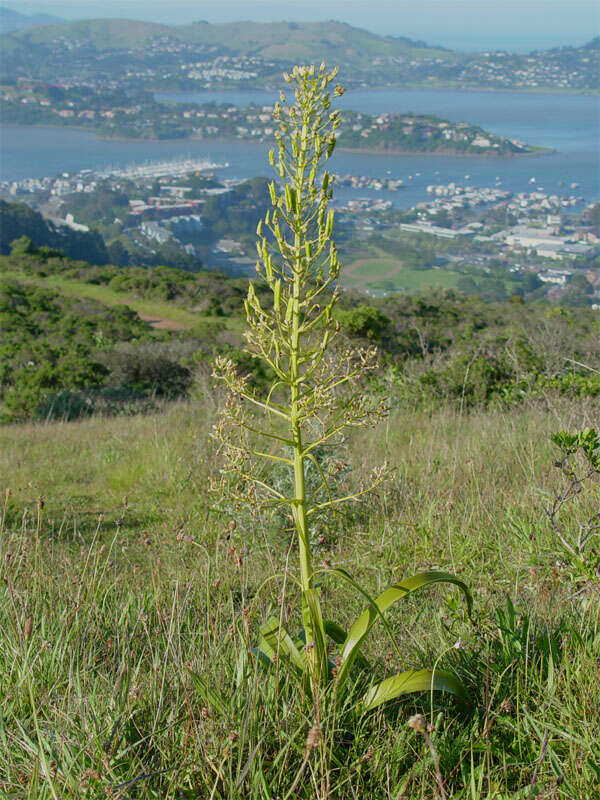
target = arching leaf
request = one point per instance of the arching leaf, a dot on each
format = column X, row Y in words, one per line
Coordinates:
column 275, row 641
column 421, row 680
column 377, row 607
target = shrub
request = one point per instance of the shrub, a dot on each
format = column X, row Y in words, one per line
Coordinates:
column 147, row 369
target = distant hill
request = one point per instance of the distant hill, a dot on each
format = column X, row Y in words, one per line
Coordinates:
column 11, row 20
column 252, row 55
column 102, row 34
column 285, row 41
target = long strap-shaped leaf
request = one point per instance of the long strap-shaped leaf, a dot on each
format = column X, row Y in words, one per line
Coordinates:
column 377, row 607
column 276, row 641
column 338, row 634
column 421, row 680
column 312, row 608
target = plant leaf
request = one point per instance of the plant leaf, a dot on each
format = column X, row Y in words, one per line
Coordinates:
column 414, row 680
column 276, row 641
column 334, row 631
column 338, row 634
column 377, row 607
column 311, row 610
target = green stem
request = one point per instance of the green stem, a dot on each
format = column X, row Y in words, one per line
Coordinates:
column 300, row 516
column 311, row 625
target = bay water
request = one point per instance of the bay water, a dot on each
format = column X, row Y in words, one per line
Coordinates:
column 570, row 124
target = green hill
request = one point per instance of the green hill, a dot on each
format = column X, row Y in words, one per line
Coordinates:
column 162, row 56
column 171, row 320
column 286, row 41
column 20, row 220
column 303, row 41
column 103, row 34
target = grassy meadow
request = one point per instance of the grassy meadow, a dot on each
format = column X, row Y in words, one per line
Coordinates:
column 120, row 585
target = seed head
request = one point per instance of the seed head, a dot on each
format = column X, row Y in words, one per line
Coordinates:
column 417, row 723
column 312, row 740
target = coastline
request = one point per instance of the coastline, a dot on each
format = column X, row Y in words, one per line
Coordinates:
column 421, row 87
column 379, row 151
column 398, row 151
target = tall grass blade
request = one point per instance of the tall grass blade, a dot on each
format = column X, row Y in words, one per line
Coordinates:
column 210, row 697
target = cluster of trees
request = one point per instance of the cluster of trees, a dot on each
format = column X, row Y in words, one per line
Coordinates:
column 19, row 219
column 448, row 347
column 417, row 133
column 52, row 343
column 234, row 214
column 103, row 204
column 70, row 356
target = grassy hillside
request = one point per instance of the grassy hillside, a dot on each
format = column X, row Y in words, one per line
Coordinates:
column 182, row 57
column 285, row 41
column 103, row 34
column 303, row 42
column 132, row 596
column 120, row 583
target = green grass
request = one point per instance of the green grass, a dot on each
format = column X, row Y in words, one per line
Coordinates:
column 413, row 280
column 373, row 273
column 125, row 583
column 372, row 267
column 155, row 310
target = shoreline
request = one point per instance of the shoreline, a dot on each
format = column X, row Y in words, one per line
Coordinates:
column 399, row 86
column 394, row 151
column 539, row 151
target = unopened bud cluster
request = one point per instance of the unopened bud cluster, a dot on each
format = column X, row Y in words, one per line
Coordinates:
column 315, row 392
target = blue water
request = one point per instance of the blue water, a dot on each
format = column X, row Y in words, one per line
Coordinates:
column 563, row 122
column 568, row 123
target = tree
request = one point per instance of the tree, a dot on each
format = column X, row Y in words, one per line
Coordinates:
column 467, row 285
column 118, row 254
column 366, row 322
column 578, row 291
column 580, row 283
column 531, row 282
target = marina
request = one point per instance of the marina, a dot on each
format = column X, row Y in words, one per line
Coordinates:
column 158, row 169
